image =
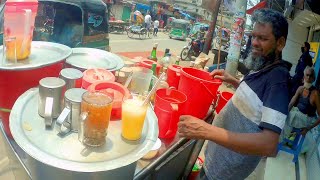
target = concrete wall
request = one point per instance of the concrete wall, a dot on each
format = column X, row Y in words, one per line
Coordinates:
column 297, row 35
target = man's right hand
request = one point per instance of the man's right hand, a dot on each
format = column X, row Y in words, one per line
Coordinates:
column 225, row 76
column 221, row 74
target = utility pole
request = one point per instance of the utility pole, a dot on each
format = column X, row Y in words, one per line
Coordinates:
column 237, row 33
column 215, row 12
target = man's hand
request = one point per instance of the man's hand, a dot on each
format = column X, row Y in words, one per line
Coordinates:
column 192, row 127
column 225, row 76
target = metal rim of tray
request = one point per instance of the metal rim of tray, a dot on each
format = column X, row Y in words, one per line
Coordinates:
column 64, row 50
column 40, row 155
column 80, row 50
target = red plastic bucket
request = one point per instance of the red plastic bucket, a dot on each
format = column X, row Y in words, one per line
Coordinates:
column 224, row 97
column 173, row 75
column 168, row 106
column 14, row 83
column 120, row 93
column 148, row 64
column 200, row 88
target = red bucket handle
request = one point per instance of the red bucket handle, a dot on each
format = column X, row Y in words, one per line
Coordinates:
column 175, row 110
column 217, row 101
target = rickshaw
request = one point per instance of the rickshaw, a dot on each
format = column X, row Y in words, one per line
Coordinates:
column 196, row 27
column 179, row 29
column 138, row 27
column 75, row 23
column 167, row 28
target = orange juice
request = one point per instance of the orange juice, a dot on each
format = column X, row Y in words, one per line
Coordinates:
column 14, row 49
column 133, row 115
column 98, row 106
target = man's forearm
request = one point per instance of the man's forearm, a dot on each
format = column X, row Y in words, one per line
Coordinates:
column 262, row 144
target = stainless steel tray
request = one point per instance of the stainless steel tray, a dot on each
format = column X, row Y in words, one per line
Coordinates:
column 86, row 58
column 42, row 54
column 28, row 130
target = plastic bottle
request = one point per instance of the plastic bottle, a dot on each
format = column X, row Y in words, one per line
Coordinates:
column 166, row 52
column 154, row 52
column 178, row 60
column 191, row 64
column 165, row 62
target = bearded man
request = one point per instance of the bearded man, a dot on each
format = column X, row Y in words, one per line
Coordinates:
column 248, row 127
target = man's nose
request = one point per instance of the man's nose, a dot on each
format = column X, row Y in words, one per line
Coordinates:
column 255, row 42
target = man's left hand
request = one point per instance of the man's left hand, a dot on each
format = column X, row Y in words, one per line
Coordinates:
column 192, row 128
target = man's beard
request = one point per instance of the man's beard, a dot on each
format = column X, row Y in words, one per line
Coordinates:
column 259, row 62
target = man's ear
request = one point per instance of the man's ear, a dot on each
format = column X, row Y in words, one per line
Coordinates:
column 281, row 42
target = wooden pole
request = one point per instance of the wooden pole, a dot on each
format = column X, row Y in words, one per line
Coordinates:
column 209, row 37
column 220, row 44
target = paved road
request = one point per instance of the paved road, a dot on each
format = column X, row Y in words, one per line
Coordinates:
column 122, row 43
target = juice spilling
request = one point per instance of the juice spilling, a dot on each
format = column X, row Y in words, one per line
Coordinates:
column 133, row 116
column 98, row 106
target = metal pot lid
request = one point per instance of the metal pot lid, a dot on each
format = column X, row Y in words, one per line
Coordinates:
column 28, row 130
column 42, row 54
column 88, row 58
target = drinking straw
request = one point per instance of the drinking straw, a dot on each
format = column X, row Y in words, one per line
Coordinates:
column 145, row 102
column 26, row 30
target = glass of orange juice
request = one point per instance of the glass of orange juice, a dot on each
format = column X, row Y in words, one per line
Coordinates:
column 133, row 116
column 95, row 116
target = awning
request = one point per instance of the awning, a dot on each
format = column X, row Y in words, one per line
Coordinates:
column 260, row 5
column 142, row 6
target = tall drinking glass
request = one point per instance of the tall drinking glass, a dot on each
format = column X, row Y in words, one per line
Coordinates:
column 95, row 116
column 133, row 116
column 141, row 79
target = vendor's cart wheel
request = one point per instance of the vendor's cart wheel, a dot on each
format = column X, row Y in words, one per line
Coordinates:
column 143, row 34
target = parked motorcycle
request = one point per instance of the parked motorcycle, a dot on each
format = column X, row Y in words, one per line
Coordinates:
column 192, row 49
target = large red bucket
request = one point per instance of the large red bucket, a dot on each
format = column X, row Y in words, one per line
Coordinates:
column 173, row 75
column 14, row 83
column 224, row 97
column 169, row 105
column 201, row 90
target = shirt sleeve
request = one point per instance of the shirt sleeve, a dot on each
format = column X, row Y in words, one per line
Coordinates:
column 275, row 101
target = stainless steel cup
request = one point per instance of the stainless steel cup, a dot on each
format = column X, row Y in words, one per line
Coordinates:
column 50, row 98
column 72, row 77
column 69, row 118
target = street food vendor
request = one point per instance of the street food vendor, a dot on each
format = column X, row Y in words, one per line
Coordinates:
column 249, row 126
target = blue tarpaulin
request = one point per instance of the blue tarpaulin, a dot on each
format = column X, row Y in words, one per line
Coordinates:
column 142, row 6
column 186, row 15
